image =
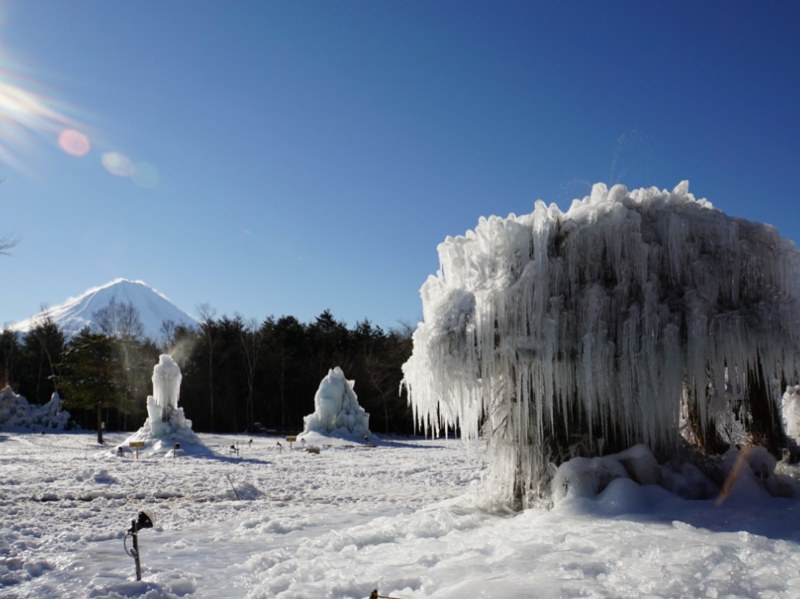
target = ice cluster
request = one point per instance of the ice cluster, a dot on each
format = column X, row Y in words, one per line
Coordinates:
column 599, row 323
column 17, row 413
column 337, row 412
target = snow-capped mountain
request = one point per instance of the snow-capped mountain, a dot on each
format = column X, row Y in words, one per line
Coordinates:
column 154, row 309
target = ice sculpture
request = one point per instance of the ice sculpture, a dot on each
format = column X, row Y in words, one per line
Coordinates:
column 166, row 427
column 163, row 414
column 564, row 333
column 336, row 410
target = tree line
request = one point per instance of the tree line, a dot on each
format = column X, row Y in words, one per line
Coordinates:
column 238, row 375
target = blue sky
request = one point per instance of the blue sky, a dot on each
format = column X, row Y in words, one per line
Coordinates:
column 294, row 156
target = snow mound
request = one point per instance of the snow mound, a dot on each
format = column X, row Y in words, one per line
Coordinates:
column 589, row 477
column 175, row 443
column 748, row 474
column 17, row 413
column 337, row 413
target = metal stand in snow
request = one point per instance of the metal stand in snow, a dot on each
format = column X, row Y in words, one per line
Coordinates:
column 144, row 521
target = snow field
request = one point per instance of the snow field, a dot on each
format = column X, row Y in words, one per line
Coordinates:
column 402, row 517
column 68, row 503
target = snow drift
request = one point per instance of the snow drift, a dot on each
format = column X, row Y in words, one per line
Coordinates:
column 581, row 332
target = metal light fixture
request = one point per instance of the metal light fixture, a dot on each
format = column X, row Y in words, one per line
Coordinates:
column 143, row 521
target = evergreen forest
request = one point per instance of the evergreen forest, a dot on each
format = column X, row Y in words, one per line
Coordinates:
column 238, row 375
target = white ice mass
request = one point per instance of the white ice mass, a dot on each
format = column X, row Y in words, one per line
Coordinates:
column 16, row 413
column 166, row 424
column 558, row 334
column 337, row 412
column 790, row 410
column 163, row 414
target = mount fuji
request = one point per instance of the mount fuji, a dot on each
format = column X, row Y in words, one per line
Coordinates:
column 153, row 307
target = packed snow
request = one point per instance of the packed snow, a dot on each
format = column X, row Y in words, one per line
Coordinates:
column 337, row 413
column 404, row 517
column 603, row 324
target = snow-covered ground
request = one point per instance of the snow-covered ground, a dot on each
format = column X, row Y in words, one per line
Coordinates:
column 400, row 517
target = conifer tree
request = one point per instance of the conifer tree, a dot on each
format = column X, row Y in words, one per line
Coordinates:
column 91, row 376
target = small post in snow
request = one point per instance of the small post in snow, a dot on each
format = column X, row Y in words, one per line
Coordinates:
column 136, row 446
column 144, row 522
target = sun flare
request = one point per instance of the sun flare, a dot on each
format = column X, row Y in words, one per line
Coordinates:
column 27, row 116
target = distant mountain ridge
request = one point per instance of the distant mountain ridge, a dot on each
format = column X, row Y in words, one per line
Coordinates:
column 154, row 309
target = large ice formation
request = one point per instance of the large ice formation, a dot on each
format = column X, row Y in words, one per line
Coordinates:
column 566, row 333
column 166, row 424
column 17, row 413
column 163, row 414
column 337, row 412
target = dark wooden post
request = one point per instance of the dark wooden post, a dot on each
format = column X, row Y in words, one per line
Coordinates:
column 135, row 535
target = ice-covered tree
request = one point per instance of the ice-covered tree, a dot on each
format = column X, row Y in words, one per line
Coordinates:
column 562, row 333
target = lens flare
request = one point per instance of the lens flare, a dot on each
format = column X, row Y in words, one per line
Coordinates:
column 29, row 115
column 74, row 143
column 117, row 164
column 26, row 115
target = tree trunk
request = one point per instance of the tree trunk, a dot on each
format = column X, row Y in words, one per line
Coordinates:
column 100, row 425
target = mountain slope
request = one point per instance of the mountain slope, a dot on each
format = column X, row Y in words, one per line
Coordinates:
column 76, row 313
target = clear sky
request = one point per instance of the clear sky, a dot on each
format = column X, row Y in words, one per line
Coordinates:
column 284, row 157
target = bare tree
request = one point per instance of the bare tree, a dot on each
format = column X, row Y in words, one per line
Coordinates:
column 118, row 319
column 168, row 333
column 251, row 337
column 6, row 244
column 50, row 340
